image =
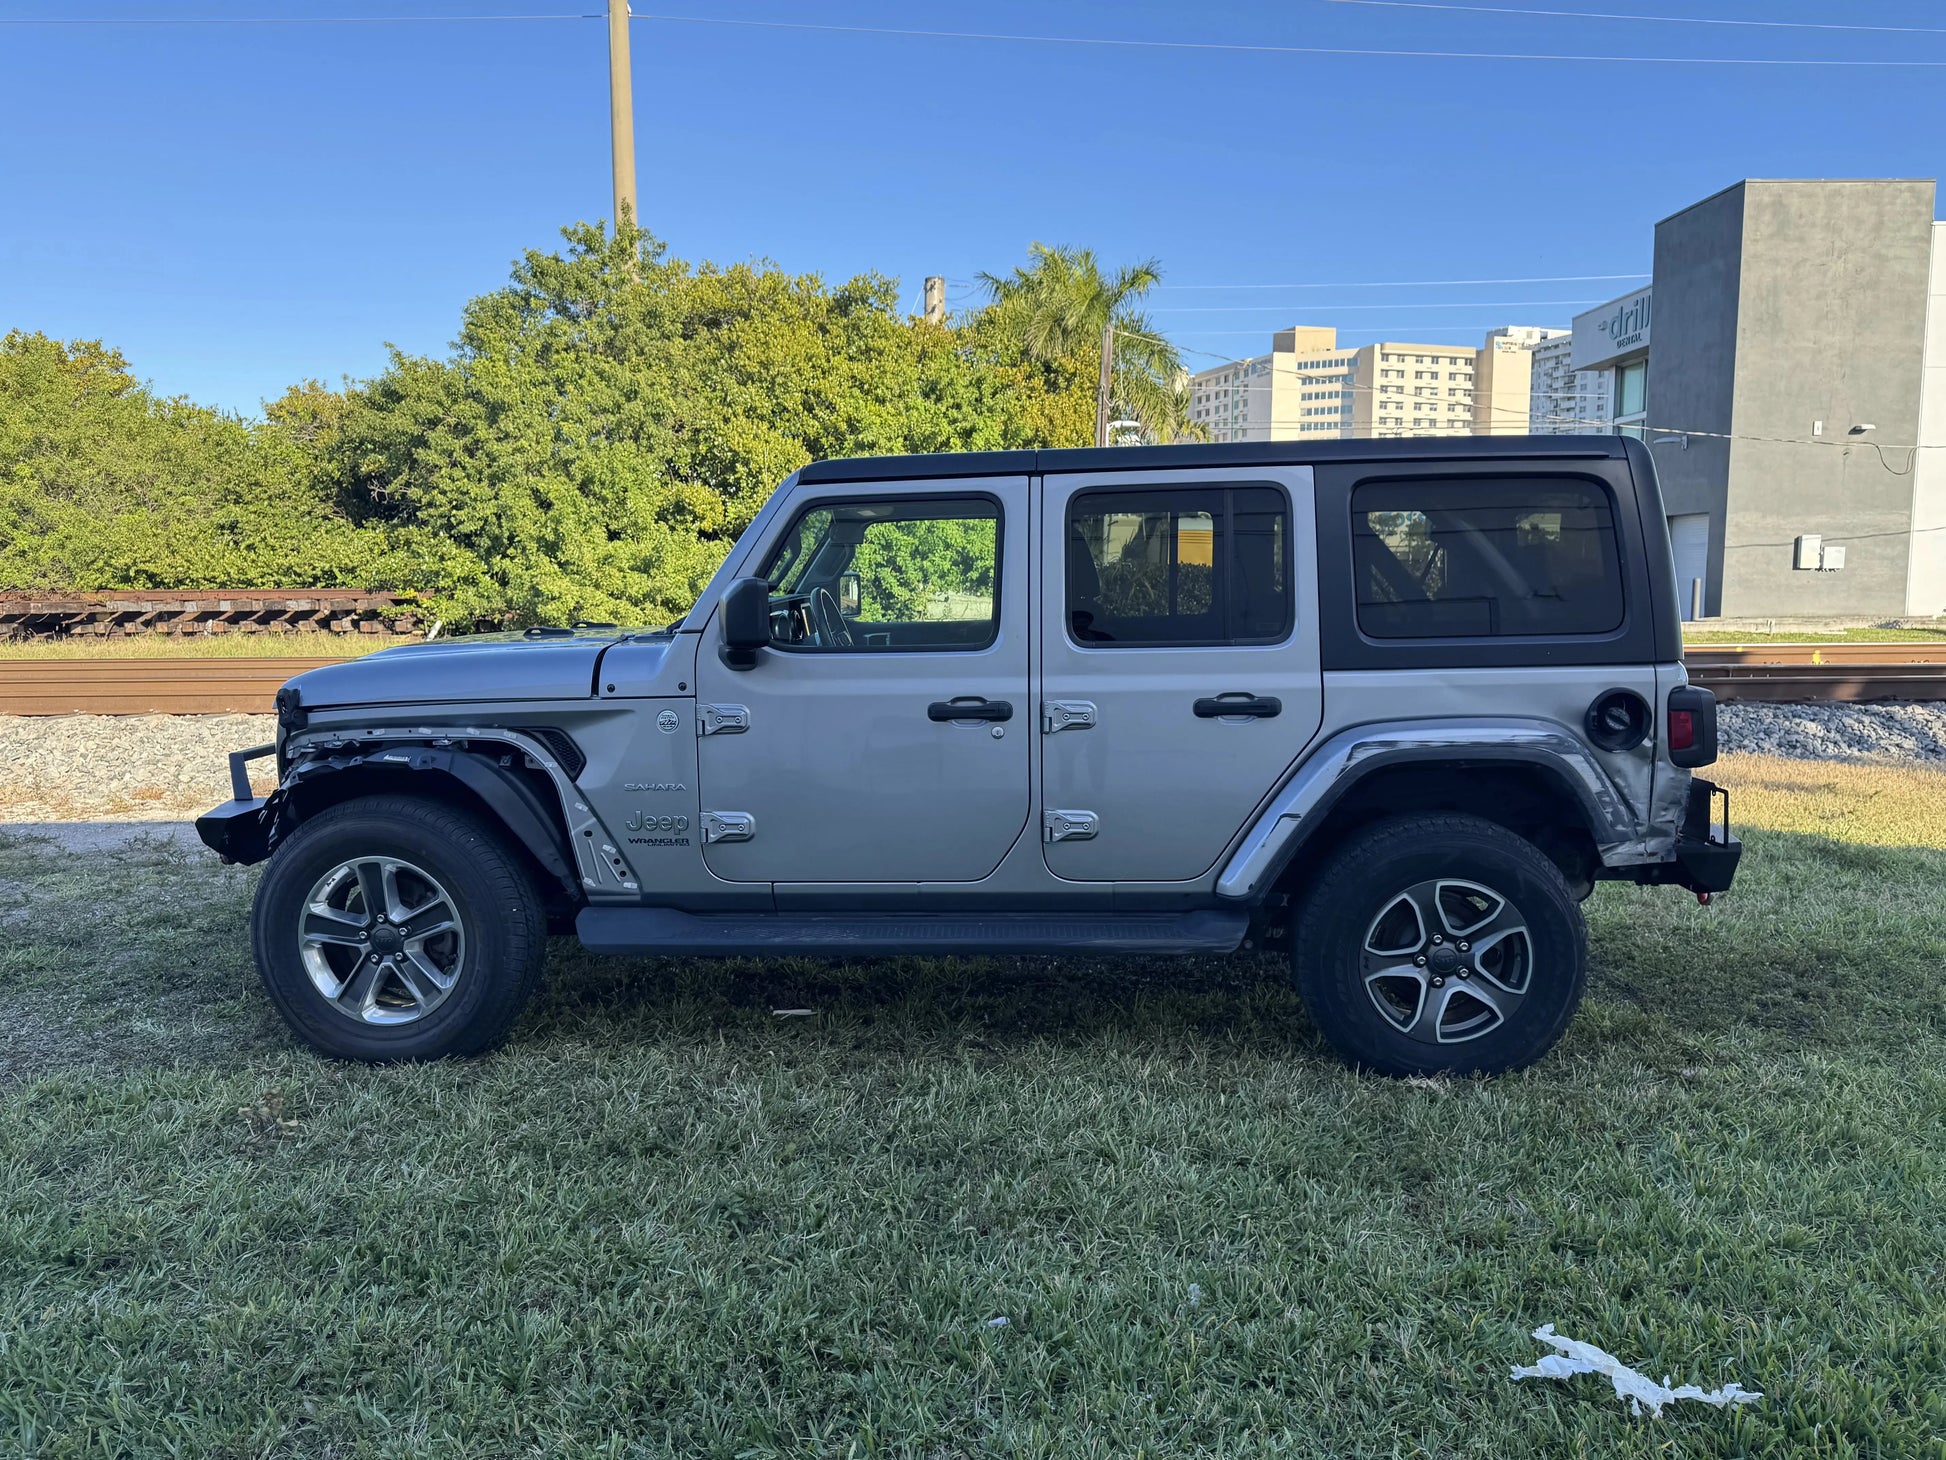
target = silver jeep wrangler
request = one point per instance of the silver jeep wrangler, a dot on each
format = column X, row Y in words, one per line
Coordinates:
column 1392, row 706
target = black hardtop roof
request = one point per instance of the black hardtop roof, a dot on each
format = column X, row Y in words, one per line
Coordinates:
column 1242, row 453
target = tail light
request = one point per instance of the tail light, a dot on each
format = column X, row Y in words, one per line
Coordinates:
column 1691, row 734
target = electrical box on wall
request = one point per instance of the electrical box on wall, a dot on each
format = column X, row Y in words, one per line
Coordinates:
column 1832, row 558
column 1806, row 551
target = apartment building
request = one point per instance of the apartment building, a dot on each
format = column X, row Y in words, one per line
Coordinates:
column 1399, row 389
column 1564, row 401
column 1503, row 381
column 1295, row 391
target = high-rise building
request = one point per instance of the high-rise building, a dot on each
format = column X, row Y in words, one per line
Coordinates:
column 1308, row 387
column 1295, row 391
column 1503, row 379
column 1564, row 401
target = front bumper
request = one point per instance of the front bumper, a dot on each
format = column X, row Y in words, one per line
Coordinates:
column 239, row 829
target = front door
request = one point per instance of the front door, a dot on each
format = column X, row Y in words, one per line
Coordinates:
column 885, row 734
column 1180, row 673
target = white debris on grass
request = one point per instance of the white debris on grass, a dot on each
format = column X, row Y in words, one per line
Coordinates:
column 1001, row 1322
column 1638, row 1389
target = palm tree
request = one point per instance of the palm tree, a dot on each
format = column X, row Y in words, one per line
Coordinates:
column 1056, row 307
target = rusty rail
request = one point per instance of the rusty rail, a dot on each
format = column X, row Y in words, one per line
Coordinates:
column 1777, row 673
column 146, row 686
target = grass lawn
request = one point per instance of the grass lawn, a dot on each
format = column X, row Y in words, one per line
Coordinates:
column 1835, row 636
column 666, row 1221
column 199, row 646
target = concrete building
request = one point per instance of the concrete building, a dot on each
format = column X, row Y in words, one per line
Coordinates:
column 1399, row 389
column 1563, row 401
column 1796, row 396
column 1611, row 348
column 1503, row 380
column 1294, row 391
column 1307, row 387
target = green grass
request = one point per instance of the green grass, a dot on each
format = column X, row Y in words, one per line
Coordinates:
column 665, row 1221
column 1833, row 636
column 218, row 646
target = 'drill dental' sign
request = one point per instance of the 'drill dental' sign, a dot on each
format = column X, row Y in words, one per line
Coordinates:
column 1611, row 331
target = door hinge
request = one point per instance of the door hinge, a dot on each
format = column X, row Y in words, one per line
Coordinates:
column 728, row 826
column 1059, row 715
column 1069, row 826
column 722, row 719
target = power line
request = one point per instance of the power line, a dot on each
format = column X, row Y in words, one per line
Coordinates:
column 1659, row 19
column 1421, row 283
column 287, row 19
column 1134, row 44
column 1349, row 308
column 1019, row 38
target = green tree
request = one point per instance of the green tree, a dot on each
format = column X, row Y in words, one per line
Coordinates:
column 105, row 485
column 1057, row 305
column 611, row 420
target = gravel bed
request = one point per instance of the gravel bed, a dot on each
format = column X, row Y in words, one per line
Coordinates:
column 123, row 767
column 1878, row 732
column 171, row 767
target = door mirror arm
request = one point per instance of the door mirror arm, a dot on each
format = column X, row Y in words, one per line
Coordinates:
column 746, row 623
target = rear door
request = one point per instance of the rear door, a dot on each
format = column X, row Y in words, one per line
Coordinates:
column 1180, row 673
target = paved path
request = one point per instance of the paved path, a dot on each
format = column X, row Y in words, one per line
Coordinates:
column 106, row 836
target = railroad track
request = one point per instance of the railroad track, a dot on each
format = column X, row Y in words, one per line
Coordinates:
column 1776, row 673
column 1819, row 673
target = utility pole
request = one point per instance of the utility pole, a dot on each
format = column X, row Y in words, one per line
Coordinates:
column 1101, row 388
column 621, row 114
column 935, row 299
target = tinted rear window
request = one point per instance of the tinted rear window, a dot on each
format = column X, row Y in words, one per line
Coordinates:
column 1455, row 559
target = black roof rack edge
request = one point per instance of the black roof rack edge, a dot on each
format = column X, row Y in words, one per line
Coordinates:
column 1244, row 453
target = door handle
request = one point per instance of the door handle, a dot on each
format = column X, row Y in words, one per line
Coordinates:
column 1257, row 707
column 969, row 708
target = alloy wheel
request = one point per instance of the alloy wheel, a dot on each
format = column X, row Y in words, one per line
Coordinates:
column 1447, row 960
column 381, row 940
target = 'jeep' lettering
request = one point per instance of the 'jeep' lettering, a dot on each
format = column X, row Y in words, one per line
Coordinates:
column 641, row 821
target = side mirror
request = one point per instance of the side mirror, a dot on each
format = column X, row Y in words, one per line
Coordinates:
column 746, row 622
column 851, row 595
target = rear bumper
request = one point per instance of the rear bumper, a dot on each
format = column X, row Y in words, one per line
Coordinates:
column 1706, row 852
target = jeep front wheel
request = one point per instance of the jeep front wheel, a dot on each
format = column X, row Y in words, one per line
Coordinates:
column 1441, row 945
column 397, row 928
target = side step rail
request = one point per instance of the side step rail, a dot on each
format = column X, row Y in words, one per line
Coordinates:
column 662, row 932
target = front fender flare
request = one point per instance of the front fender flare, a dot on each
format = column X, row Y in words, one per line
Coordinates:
column 1337, row 765
column 586, row 859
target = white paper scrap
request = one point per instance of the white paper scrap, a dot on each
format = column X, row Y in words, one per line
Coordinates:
column 1639, row 1390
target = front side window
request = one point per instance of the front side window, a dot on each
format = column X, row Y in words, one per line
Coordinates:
column 888, row 574
column 1484, row 558
column 1179, row 566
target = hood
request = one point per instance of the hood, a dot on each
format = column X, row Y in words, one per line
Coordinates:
column 474, row 668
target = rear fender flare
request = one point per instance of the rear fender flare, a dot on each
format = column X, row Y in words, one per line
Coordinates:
column 1342, row 761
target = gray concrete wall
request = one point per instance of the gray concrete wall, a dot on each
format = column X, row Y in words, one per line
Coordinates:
column 1830, row 326
column 1693, row 362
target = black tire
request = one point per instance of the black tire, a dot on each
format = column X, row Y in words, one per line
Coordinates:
column 1358, row 971
column 493, row 956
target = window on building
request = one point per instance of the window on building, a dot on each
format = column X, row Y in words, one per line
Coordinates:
column 1474, row 559
column 1184, row 565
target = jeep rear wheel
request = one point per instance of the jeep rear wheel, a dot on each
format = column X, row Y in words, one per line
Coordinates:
column 1441, row 945
column 396, row 928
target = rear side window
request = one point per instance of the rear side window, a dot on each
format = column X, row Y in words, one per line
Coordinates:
column 1179, row 566
column 1458, row 559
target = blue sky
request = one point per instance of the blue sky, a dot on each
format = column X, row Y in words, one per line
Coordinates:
column 238, row 207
